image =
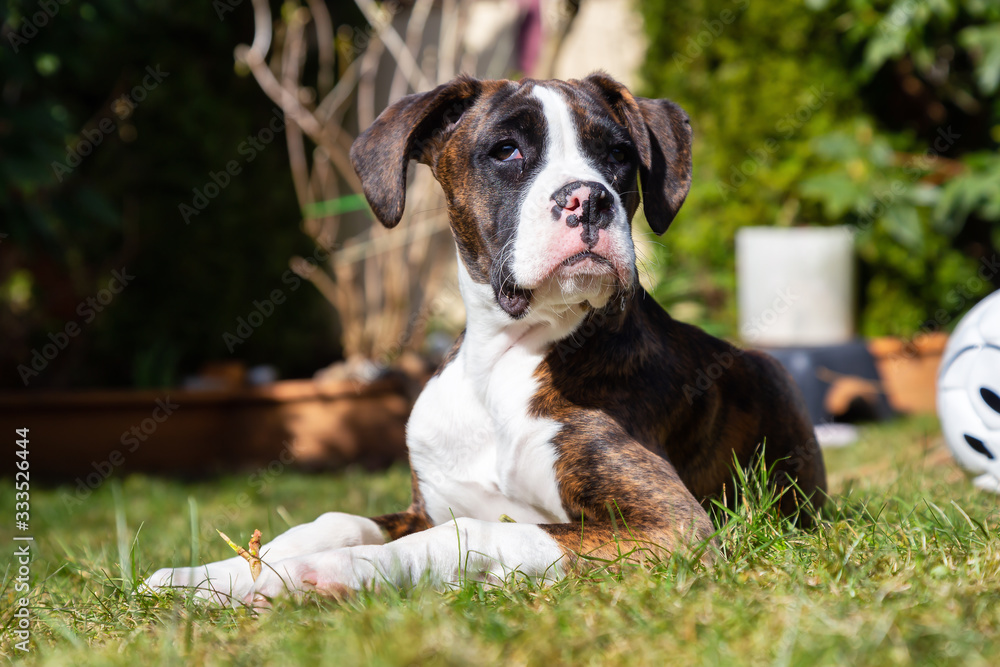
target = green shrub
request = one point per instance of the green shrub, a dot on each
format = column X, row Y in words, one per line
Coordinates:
column 802, row 116
column 69, row 227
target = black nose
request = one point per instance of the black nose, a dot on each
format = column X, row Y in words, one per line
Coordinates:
column 596, row 197
column 600, row 197
column 588, row 203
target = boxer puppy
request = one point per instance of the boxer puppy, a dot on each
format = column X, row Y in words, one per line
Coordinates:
column 568, row 403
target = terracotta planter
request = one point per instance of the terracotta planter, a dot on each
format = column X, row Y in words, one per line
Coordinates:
column 298, row 422
column 909, row 370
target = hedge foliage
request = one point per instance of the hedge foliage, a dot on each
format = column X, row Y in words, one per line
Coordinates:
column 883, row 116
column 97, row 158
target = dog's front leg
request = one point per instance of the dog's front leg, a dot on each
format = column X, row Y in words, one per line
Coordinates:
column 229, row 581
column 468, row 549
column 448, row 554
column 648, row 512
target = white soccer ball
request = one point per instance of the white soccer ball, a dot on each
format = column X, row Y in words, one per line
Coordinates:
column 969, row 393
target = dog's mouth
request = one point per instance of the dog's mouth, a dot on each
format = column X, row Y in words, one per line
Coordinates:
column 573, row 275
column 581, row 256
column 514, row 301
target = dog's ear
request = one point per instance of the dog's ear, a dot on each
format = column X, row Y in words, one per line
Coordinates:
column 662, row 135
column 414, row 128
column 665, row 178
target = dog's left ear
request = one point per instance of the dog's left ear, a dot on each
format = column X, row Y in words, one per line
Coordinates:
column 414, row 128
column 662, row 135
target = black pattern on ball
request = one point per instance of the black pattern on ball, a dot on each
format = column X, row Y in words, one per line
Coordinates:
column 979, row 446
column 991, row 398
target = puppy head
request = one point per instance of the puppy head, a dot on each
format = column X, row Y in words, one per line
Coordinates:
column 542, row 179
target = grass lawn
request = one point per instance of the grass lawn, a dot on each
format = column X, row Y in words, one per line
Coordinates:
column 905, row 569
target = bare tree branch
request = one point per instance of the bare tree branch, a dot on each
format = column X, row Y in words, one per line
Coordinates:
column 254, row 58
column 394, row 44
column 290, row 72
column 414, row 33
column 324, row 43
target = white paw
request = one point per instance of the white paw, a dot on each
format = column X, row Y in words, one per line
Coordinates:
column 228, row 582
column 332, row 530
column 329, row 573
column 225, row 582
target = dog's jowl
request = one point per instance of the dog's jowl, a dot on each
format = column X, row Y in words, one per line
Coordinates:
column 562, row 404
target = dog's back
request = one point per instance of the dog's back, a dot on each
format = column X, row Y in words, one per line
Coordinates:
column 698, row 401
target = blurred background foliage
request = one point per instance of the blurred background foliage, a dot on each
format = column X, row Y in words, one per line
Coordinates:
column 67, row 231
column 880, row 115
column 884, row 116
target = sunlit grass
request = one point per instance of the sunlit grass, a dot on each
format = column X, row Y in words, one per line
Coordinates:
column 904, row 569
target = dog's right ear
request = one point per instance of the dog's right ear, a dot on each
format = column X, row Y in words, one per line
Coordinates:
column 414, row 128
column 662, row 134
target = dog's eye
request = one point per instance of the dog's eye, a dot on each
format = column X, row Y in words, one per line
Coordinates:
column 507, row 152
column 616, row 156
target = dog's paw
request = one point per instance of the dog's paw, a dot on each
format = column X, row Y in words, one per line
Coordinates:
column 225, row 582
column 329, row 574
column 229, row 582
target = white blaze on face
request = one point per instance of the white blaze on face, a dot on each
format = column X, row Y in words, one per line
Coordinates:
column 542, row 244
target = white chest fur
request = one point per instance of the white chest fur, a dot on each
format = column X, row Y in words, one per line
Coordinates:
column 473, row 445
column 476, row 451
